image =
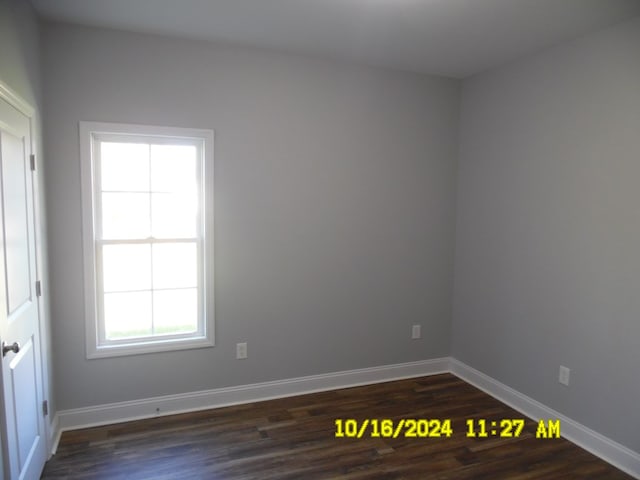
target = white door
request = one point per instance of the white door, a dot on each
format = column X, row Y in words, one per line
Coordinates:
column 22, row 425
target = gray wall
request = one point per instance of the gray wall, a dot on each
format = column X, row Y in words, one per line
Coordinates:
column 334, row 204
column 547, row 268
column 20, row 71
column 19, row 50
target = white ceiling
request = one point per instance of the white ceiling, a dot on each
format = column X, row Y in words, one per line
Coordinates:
column 455, row 38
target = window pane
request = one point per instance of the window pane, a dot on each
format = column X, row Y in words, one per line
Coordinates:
column 174, row 265
column 126, row 267
column 124, row 166
column 127, row 315
column 173, row 168
column 175, row 311
column 125, row 215
column 174, row 215
column 148, row 236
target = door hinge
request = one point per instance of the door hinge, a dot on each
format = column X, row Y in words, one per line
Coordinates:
column 38, row 289
column 45, row 408
column 32, row 159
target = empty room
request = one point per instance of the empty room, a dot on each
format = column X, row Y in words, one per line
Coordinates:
column 320, row 239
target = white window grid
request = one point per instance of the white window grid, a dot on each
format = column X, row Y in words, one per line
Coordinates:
column 92, row 135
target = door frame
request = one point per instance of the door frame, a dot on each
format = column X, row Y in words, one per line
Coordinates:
column 8, row 95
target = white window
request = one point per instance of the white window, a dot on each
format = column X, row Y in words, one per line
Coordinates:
column 147, row 238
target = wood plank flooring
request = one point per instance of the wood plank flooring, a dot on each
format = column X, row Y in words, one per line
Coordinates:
column 294, row 438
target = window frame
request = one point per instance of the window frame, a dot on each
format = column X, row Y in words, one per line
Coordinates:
column 91, row 134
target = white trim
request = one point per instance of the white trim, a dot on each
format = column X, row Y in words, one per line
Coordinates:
column 18, row 102
column 610, row 451
column 14, row 99
column 54, row 435
column 222, row 397
column 97, row 346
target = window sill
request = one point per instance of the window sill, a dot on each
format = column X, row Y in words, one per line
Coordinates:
column 123, row 350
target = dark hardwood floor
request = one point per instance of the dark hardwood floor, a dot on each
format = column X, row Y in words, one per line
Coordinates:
column 294, row 438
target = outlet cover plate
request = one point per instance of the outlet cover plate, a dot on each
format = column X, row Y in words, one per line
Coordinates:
column 563, row 375
column 416, row 332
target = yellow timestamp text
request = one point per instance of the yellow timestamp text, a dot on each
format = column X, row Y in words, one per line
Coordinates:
column 510, row 428
column 505, row 428
column 388, row 428
column 440, row 428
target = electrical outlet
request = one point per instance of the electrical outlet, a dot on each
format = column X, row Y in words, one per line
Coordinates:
column 416, row 332
column 563, row 375
column 241, row 350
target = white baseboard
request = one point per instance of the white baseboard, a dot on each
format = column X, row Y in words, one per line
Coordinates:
column 612, row 452
column 221, row 397
column 601, row 446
